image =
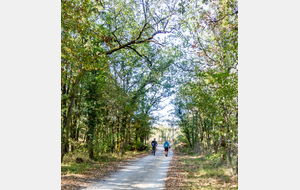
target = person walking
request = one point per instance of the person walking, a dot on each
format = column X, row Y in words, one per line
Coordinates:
column 166, row 146
column 153, row 144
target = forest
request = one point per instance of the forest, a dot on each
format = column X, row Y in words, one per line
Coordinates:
column 120, row 59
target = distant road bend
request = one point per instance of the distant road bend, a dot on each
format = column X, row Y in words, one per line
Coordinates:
column 148, row 173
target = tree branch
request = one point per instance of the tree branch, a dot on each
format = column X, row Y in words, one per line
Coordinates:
column 150, row 63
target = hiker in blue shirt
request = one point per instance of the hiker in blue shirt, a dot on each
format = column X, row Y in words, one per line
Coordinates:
column 166, row 146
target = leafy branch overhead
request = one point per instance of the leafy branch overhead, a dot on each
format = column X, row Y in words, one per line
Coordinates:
column 121, row 60
column 113, row 68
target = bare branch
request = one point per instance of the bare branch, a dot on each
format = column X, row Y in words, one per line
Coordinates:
column 150, row 63
column 134, row 41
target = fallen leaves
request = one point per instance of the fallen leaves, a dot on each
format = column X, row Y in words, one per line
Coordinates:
column 95, row 174
column 183, row 176
column 175, row 176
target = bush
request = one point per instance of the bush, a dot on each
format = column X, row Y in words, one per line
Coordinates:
column 143, row 147
column 215, row 157
column 128, row 147
column 136, row 146
column 79, row 160
column 78, row 153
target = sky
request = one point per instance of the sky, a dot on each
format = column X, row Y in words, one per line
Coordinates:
column 165, row 113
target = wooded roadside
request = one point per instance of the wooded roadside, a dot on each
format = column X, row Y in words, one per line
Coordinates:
column 194, row 171
column 78, row 175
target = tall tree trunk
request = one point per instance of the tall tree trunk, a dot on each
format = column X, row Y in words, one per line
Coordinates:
column 223, row 144
column 91, row 127
column 188, row 136
column 69, row 114
column 73, row 132
column 90, row 136
column 64, row 148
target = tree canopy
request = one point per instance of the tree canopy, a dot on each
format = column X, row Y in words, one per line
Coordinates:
column 121, row 58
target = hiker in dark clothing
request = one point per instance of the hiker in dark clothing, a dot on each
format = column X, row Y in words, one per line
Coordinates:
column 154, row 144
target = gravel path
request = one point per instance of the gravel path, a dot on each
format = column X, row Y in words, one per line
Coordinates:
column 148, row 172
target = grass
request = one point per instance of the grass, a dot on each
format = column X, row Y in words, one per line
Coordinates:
column 69, row 165
column 75, row 168
column 203, row 171
column 194, row 171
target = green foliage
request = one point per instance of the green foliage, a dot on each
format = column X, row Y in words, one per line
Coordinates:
column 74, row 168
column 203, row 172
column 206, row 102
column 112, row 73
column 120, row 60
column 215, row 157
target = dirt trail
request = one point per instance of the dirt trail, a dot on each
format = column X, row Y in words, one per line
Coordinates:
column 148, row 173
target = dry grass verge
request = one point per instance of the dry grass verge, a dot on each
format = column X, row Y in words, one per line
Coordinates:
column 194, row 171
column 75, row 176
